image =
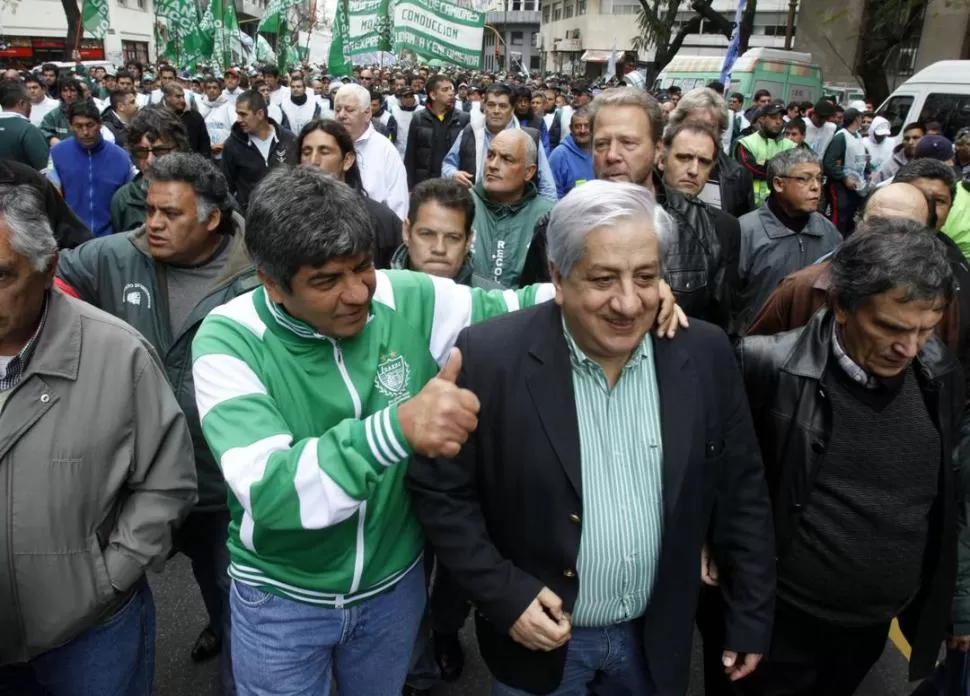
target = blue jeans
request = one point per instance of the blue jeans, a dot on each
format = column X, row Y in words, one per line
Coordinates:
column 605, row 661
column 282, row 647
column 115, row 658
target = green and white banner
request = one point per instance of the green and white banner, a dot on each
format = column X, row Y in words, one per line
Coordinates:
column 361, row 27
column 94, row 17
column 439, row 29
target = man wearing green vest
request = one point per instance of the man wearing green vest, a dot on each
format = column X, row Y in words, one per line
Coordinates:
column 756, row 149
column 957, row 225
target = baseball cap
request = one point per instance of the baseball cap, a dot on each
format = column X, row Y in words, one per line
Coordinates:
column 934, row 147
column 232, row 71
column 775, row 106
column 962, row 134
column 882, row 128
column 824, row 108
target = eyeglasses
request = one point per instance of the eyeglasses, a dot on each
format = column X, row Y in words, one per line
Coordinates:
column 157, row 151
column 806, row 180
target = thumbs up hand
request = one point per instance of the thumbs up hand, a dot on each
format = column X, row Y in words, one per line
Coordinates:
column 437, row 422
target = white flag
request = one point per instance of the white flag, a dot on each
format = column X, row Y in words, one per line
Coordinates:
column 611, row 65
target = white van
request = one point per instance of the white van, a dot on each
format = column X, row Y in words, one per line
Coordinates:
column 940, row 92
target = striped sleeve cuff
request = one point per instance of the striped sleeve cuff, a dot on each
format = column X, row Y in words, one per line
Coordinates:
column 385, row 439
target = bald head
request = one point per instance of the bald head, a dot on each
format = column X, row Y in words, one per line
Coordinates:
column 510, row 166
column 898, row 201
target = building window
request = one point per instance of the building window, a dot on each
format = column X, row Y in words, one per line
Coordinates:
column 535, row 39
column 568, row 11
column 141, row 4
column 517, row 38
column 534, row 63
column 135, row 50
column 556, row 12
column 580, row 8
column 516, row 6
column 778, row 30
column 545, row 14
column 531, row 5
column 619, row 7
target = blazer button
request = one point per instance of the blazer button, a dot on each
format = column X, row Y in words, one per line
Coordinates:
column 569, row 573
column 575, row 519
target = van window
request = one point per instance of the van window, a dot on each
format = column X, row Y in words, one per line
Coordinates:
column 802, row 93
column 896, row 111
column 952, row 111
column 777, row 89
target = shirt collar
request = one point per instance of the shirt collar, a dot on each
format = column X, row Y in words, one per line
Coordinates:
column 15, row 368
column 579, row 360
column 850, row 366
column 366, row 135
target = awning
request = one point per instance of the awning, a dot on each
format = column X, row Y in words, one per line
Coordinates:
column 594, row 56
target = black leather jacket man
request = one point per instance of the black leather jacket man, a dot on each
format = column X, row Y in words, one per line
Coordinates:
column 785, row 379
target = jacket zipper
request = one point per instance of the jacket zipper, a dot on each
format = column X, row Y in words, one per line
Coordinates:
column 91, row 188
column 362, row 512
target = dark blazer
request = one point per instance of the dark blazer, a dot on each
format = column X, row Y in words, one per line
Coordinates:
column 505, row 517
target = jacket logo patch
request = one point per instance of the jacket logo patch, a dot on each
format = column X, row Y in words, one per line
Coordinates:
column 281, row 156
column 393, row 374
column 136, row 294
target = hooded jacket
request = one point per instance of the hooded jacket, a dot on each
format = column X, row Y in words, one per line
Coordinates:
column 504, row 233
column 571, row 165
column 879, row 153
column 244, row 166
column 89, row 178
column 118, row 275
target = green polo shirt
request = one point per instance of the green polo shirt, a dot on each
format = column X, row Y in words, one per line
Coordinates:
column 622, row 466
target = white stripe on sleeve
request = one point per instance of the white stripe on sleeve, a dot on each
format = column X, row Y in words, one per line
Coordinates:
column 452, row 313
column 219, row 378
column 323, row 503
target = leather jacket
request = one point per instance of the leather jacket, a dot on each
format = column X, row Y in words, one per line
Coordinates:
column 784, row 380
column 737, row 187
column 701, row 261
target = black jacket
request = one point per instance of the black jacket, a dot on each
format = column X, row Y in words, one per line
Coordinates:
column 117, row 127
column 737, row 187
column 701, row 263
column 69, row 231
column 783, row 376
column 243, row 165
column 387, row 231
column 198, row 133
column 505, row 517
column 429, row 141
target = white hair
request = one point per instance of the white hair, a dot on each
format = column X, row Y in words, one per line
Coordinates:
column 31, row 236
column 595, row 205
column 357, row 92
column 531, row 151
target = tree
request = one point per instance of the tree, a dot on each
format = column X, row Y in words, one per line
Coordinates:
column 73, row 14
column 656, row 20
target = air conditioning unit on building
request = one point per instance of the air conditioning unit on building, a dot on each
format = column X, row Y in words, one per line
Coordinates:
column 572, row 34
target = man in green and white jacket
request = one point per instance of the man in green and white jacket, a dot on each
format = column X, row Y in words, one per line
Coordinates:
column 313, row 392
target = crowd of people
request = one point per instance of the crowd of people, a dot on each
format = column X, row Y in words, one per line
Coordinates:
column 380, row 352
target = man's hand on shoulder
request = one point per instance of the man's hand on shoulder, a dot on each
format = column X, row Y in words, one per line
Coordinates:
column 671, row 316
column 437, row 422
column 543, row 625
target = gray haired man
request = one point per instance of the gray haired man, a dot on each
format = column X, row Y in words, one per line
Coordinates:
column 785, row 234
column 583, row 409
column 858, row 416
column 97, row 469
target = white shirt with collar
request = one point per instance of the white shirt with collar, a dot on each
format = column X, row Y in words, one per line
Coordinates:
column 279, row 95
column 382, row 171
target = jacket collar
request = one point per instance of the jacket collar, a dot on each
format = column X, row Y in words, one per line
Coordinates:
column 401, row 261
column 774, row 228
column 530, row 194
column 58, row 349
column 809, row 358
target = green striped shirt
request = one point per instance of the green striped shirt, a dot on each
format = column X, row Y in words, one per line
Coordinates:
column 622, row 462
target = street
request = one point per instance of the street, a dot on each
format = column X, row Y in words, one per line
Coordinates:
column 181, row 617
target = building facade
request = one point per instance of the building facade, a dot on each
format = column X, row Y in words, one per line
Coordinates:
column 511, row 40
column 578, row 36
column 830, row 31
column 33, row 32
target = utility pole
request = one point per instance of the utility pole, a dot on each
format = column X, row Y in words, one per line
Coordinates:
column 790, row 29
